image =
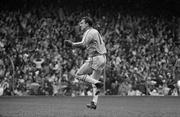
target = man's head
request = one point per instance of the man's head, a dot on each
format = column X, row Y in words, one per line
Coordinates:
column 85, row 22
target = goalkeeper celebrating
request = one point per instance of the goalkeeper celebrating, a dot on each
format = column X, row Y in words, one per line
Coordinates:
column 95, row 64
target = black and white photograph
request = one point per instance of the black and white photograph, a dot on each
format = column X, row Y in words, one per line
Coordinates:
column 89, row 58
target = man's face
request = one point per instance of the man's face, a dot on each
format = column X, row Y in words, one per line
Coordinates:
column 83, row 24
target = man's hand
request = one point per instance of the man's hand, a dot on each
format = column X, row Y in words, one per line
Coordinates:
column 68, row 43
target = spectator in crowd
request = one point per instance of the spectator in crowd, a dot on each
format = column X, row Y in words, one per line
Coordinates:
column 140, row 48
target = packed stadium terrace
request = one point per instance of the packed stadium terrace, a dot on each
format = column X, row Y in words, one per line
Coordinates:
column 141, row 48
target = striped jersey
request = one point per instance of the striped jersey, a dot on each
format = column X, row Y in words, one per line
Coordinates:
column 93, row 42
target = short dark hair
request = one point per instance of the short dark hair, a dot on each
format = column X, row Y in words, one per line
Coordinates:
column 88, row 20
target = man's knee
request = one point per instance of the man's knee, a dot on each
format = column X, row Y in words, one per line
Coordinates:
column 82, row 72
column 94, row 86
column 79, row 75
column 178, row 83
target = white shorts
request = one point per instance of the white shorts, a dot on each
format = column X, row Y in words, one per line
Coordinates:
column 97, row 62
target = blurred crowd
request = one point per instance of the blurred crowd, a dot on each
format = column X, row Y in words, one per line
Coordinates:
column 34, row 61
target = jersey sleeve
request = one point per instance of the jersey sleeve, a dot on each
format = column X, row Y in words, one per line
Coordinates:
column 88, row 38
column 97, row 37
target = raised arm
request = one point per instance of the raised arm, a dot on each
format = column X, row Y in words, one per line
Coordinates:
column 78, row 44
column 69, row 43
column 85, row 40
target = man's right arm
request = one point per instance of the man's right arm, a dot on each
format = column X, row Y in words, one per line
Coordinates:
column 80, row 44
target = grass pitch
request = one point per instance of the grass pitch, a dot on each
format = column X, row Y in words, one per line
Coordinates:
column 108, row 106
